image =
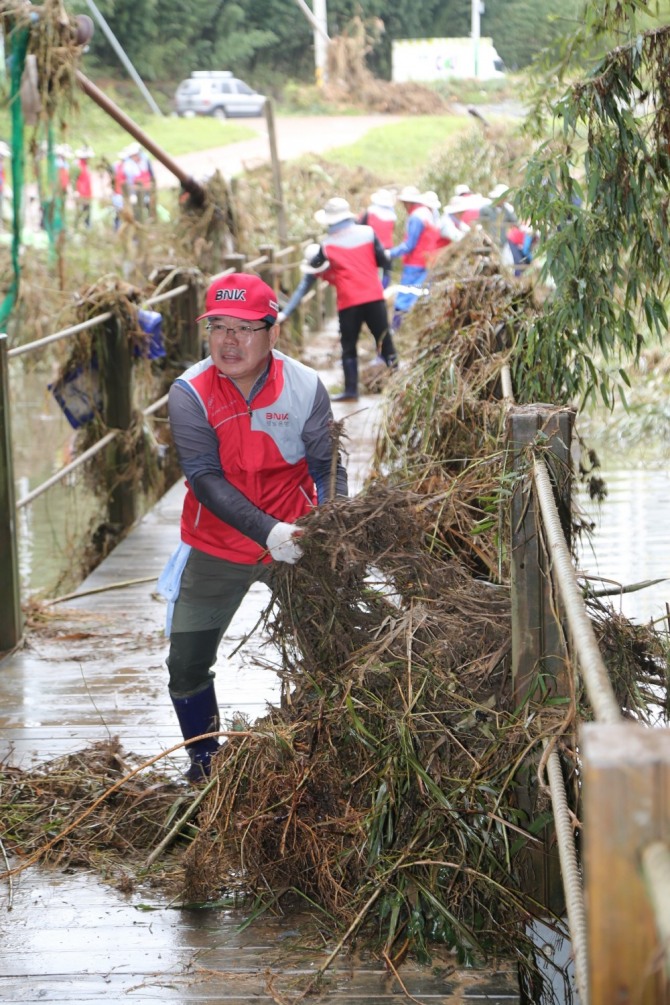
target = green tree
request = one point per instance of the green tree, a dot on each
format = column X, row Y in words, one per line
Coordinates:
column 598, row 192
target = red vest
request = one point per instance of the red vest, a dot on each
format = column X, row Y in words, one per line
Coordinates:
column 382, row 221
column 353, row 266
column 261, row 451
column 426, row 246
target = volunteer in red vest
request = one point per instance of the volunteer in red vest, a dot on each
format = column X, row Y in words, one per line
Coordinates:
column 5, row 154
column 83, row 186
column 381, row 216
column 354, row 254
column 416, row 249
column 252, row 428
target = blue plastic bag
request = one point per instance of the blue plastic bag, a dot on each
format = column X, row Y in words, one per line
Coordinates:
column 151, row 323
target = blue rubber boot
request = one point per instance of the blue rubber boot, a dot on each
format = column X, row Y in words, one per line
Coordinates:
column 198, row 713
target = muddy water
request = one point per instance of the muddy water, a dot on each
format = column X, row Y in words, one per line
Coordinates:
column 54, row 528
column 631, row 540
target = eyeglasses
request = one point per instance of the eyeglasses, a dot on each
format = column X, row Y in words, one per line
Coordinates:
column 241, row 332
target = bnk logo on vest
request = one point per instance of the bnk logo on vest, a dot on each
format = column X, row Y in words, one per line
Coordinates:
column 231, row 295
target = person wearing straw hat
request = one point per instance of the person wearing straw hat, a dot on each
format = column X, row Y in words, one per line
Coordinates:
column 497, row 216
column 253, row 432
column 354, row 254
column 416, row 249
column 83, row 187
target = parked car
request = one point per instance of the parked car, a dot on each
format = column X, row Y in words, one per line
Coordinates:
column 217, row 93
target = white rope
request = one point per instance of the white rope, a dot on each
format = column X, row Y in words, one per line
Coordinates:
column 572, row 883
column 596, row 679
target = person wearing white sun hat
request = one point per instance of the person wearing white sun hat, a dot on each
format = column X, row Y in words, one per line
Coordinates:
column 354, row 254
column 381, row 216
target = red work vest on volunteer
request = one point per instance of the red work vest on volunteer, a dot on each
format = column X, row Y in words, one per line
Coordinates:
column 427, row 244
column 382, row 221
column 261, row 452
column 353, row 265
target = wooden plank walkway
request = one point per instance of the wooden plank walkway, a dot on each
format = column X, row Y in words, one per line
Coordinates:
column 97, row 670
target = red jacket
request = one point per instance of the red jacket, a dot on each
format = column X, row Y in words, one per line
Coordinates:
column 261, row 452
column 426, row 246
column 353, row 265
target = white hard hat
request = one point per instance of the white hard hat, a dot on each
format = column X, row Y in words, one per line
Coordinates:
column 462, row 189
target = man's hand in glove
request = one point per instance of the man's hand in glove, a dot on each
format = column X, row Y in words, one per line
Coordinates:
column 282, row 545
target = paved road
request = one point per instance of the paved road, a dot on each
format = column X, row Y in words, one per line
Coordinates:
column 296, row 135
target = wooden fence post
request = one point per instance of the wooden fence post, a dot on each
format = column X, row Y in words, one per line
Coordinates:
column 626, row 806
column 11, row 617
column 235, row 261
column 297, row 319
column 276, row 173
column 267, row 272
column 186, row 310
column 538, row 649
column 116, row 379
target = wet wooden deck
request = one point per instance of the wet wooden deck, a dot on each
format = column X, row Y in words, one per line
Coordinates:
column 97, row 670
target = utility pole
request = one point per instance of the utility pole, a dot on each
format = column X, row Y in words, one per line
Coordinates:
column 476, row 10
column 120, row 52
column 318, row 21
column 321, row 43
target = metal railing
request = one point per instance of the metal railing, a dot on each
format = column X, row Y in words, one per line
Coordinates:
column 651, row 857
column 272, row 264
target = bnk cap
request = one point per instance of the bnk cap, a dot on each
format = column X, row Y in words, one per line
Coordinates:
column 240, row 295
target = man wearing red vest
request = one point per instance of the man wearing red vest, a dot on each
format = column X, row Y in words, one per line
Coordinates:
column 381, row 216
column 354, row 255
column 252, row 429
column 417, row 248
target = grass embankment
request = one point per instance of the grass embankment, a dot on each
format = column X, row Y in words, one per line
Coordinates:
column 403, row 150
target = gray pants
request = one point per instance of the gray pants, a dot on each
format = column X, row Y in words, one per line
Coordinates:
column 210, row 592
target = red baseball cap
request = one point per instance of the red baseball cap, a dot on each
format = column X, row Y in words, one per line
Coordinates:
column 240, row 295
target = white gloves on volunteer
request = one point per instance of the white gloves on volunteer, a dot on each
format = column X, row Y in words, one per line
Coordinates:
column 281, row 317
column 282, row 545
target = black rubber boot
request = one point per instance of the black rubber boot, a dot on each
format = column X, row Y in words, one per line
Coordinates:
column 350, row 367
column 388, row 353
column 198, row 713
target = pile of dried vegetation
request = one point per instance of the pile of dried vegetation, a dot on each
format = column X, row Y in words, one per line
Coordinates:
column 383, row 790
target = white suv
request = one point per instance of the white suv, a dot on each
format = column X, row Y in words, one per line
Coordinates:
column 217, row 93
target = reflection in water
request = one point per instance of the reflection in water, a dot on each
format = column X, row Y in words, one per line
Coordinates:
column 631, row 541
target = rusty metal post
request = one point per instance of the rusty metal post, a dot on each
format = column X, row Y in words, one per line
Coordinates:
column 188, row 183
column 11, row 617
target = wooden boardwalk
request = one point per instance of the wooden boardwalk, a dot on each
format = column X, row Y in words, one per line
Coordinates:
column 97, row 670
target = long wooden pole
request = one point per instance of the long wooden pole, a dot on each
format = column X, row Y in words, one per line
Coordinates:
column 189, row 184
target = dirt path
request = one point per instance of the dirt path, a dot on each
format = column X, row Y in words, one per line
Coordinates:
column 296, row 135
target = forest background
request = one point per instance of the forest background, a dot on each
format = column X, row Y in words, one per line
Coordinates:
column 270, row 41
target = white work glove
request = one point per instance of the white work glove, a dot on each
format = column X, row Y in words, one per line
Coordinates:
column 282, row 545
column 281, row 317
